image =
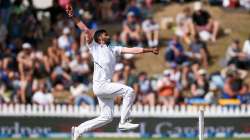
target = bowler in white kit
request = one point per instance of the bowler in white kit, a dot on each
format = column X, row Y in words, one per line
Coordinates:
column 104, row 58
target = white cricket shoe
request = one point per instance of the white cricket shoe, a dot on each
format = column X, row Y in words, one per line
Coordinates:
column 74, row 134
column 127, row 126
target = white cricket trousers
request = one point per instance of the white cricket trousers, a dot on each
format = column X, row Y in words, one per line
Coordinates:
column 105, row 92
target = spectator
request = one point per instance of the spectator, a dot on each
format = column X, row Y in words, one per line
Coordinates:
column 206, row 27
column 65, row 40
column 199, row 87
column 242, row 74
column 184, row 25
column 80, row 68
column 41, row 68
column 5, row 10
column 213, row 94
column 3, row 32
column 55, row 53
column 146, row 95
column 245, row 56
column 131, row 78
column 187, row 76
column 234, row 54
column 116, row 39
column 233, row 85
column 131, row 32
column 60, row 76
column 106, row 10
column 175, row 52
column 119, row 77
column 88, row 19
column 79, row 94
column 198, row 52
column 151, row 30
column 133, row 8
column 244, row 97
column 41, row 96
column 25, row 61
column 167, row 91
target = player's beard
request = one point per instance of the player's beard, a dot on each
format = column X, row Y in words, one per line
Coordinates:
column 108, row 41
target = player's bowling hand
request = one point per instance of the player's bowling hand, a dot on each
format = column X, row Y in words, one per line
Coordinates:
column 69, row 10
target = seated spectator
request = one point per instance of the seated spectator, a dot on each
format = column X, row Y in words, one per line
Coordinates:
column 233, row 86
column 245, row 4
column 65, row 40
column 131, row 78
column 244, row 97
column 146, row 95
column 198, row 52
column 242, row 74
column 234, row 54
column 60, row 78
column 245, row 56
column 41, row 95
column 167, row 91
column 55, row 53
column 41, row 67
column 206, row 27
column 118, row 77
column 3, row 33
column 199, row 88
column 80, row 68
column 175, row 74
column 116, row 40
column 88, row 19
column 132, row 7
column 213, row 94
column 117, row 11
column 187, row 76
column 175, row 51
column 151, row 30
column 131, row 32
column 105, row 10
column 61, row 94
column 79, row 94
column 184, row 25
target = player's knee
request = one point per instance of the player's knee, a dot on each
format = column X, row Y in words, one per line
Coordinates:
column 131, row 93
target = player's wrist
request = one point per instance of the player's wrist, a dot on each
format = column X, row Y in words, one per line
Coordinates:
column 146, row 50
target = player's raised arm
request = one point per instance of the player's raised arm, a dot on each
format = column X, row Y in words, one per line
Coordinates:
column 78, row 22
column 137, row 50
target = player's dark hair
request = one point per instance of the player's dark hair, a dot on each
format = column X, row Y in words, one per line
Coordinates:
column 98, row 33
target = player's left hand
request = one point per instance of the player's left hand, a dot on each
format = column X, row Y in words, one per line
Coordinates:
column 155, row 51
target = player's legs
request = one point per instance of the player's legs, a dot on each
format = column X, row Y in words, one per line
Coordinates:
column 106, row 104
column 116, row 89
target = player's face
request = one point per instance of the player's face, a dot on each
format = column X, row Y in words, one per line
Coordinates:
column 106, row 38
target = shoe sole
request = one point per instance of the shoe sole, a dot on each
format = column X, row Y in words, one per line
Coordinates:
column 125, row 129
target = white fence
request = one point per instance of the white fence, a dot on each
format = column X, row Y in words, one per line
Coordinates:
column 185, row 111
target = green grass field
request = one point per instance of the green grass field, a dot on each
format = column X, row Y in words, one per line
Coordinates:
column 136, row 139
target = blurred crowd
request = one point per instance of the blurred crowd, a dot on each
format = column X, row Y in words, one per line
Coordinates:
column 44, row 59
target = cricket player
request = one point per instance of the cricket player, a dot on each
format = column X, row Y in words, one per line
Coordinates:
column 104, row 57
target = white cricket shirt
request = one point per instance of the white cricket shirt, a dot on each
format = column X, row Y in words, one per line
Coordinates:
column 104, row 58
